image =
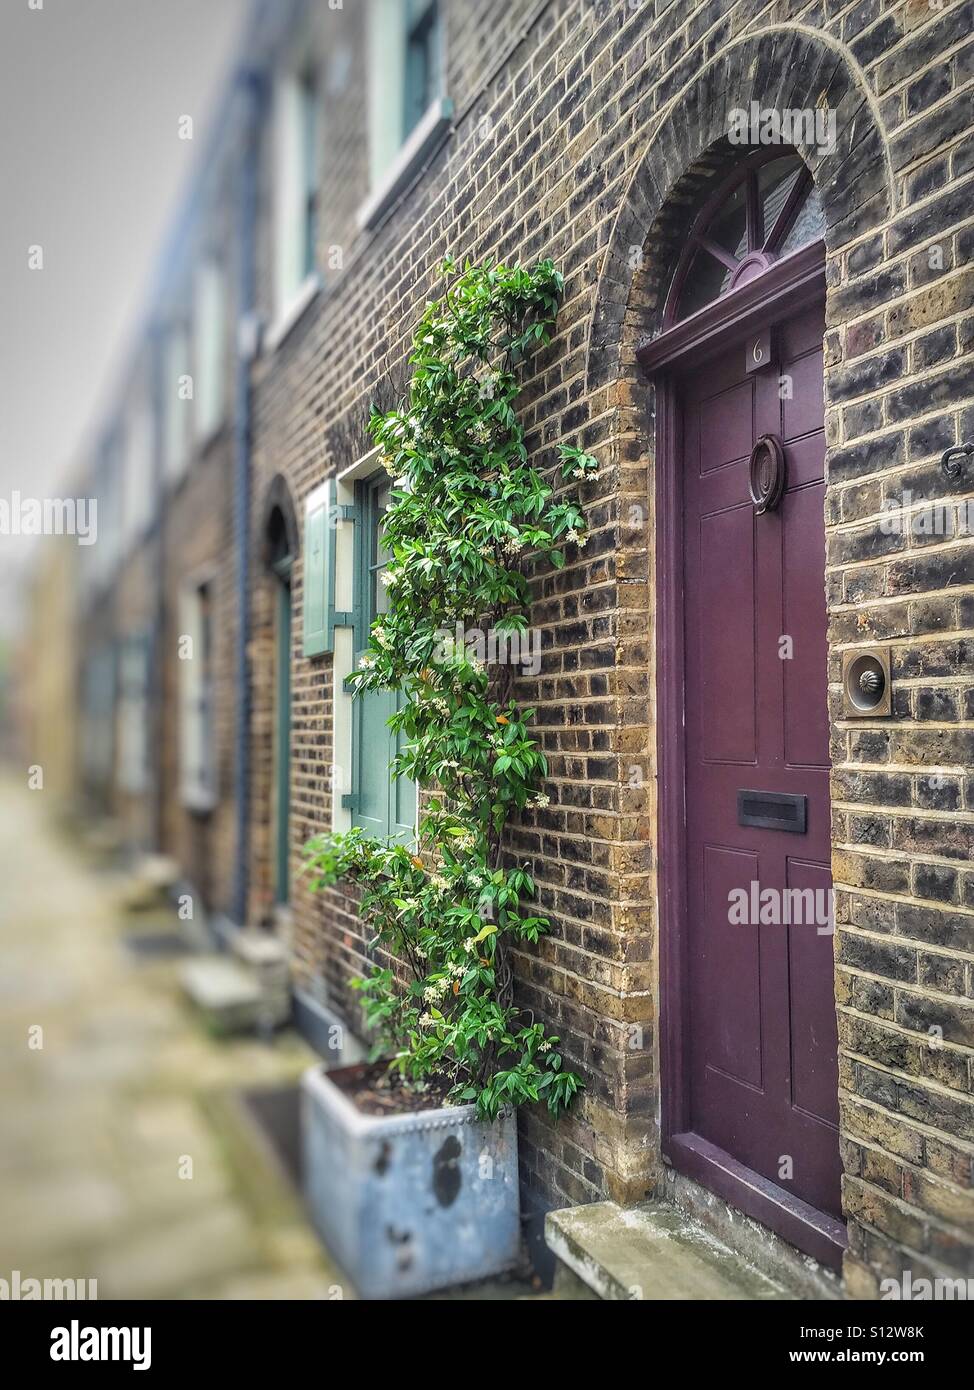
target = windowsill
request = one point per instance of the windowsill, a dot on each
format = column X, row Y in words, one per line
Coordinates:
column 294, row 311
column 198, row 801
column 407, row 163
column 206, row 439
column 176, row 470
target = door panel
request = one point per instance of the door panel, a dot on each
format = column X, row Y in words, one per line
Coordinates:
column 762, row 1063
column 726, row 658
column 735, row 1018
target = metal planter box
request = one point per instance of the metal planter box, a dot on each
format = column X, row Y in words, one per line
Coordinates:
column 409, row 1203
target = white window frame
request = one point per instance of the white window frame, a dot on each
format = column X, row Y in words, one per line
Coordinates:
column 132, row 730
column 210, row 333
column 394, row 157
column 197, row 751
column 177, row 412
column 294, row 287
column 343, row 663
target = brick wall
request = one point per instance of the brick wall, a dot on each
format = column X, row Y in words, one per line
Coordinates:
column 197, row 544
column 557, row 107
column 589, row 131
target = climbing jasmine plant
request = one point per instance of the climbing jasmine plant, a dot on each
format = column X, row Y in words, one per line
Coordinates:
column 466, row 511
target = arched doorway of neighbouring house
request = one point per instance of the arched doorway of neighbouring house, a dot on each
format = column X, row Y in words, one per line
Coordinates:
column 280, row 546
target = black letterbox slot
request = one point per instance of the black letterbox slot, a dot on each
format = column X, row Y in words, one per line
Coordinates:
column 772, row 811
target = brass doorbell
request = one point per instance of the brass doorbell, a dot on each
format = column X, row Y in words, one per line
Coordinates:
column 867, row 691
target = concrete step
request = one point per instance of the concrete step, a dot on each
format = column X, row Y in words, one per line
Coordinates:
column 149, row 883
column 225, row 992
column 650, row 1252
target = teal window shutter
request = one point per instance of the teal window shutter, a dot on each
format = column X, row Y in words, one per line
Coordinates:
column 319, row 570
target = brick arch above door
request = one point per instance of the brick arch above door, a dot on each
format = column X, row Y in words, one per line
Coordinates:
column 784, row 67
column 278, row 501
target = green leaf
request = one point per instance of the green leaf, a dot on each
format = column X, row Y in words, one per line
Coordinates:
column 468, row 516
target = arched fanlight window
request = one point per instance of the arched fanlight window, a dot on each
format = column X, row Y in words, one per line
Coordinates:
column 766, row 209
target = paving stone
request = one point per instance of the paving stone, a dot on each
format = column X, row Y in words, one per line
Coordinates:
column 165, row 1261
column 94, row 1124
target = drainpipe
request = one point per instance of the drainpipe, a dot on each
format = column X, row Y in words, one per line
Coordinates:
column 252, row 87
column 157, row 665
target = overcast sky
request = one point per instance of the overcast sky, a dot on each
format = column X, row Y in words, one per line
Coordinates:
column 91, row 92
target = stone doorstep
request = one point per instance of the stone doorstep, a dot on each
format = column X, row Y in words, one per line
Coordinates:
column 149, row 883
column 213, row 982
column 230, row 997
column 261, row 951
column 649, row 1252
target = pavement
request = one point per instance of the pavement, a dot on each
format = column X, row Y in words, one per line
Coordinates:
column 126, row 1155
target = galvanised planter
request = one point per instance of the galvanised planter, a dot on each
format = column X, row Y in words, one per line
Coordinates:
column 413, row 1202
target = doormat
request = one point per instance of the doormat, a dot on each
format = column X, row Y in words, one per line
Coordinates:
column 155, row 945
column 276, row 1113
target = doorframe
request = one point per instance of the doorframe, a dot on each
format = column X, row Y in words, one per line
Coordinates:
column 790, row 285
column 283, row 633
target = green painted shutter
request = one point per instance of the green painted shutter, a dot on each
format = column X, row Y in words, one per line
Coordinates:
column 319, row 570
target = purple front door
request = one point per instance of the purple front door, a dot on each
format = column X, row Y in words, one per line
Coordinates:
column 760, row 1050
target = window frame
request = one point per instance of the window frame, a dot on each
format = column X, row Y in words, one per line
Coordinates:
column 347, row 629
column 297, row 144
column 367, row 518
column 177, row 422
column 210, row 343
column 133, row 680
column 762, row 243
column 395, row 159
column 196, row 743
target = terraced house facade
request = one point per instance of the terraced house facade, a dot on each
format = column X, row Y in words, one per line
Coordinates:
column 755, row 688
